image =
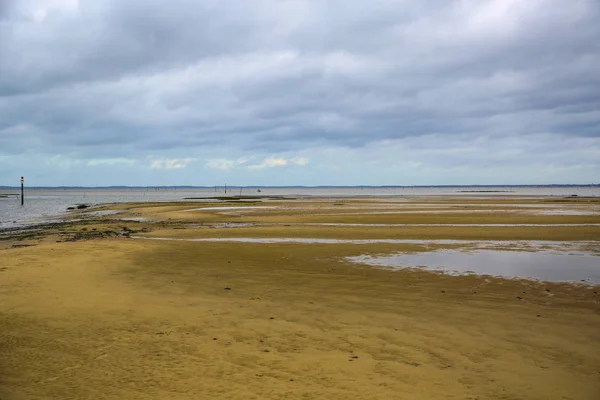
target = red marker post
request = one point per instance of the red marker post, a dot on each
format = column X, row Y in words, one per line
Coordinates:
column 22, row 190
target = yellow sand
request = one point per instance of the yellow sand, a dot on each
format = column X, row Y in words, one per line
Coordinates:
column 134, row 319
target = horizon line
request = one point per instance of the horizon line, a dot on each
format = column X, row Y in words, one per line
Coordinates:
column 298, row 186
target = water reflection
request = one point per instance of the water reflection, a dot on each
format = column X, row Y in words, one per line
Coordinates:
column 547, row 266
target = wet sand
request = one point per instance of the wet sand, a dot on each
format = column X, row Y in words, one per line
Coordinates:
column 102, row 315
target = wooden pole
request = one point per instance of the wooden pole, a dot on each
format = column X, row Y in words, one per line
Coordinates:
column 22, row 191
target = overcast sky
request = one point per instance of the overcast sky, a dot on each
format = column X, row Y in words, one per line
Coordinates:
column 292, row 92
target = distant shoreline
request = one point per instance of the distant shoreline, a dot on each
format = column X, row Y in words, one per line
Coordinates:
column 42, row 204
column 556, row 185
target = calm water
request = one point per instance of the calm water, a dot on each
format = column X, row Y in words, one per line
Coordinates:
column 545, row 266
column 43, row 203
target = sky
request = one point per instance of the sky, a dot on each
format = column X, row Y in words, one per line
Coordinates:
column 299, row 92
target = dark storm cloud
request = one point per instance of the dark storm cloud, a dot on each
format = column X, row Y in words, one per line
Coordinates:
column 134, row 77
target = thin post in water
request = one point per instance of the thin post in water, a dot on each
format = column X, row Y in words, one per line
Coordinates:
column 22, row 191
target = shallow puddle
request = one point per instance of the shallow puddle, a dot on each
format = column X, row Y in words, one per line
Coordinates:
column 566, row 212
column 415, row 211
column 229, row 208
column 439, row 225
column 571, row 247
column 539, row 265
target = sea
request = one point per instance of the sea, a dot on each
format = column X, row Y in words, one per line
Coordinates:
column 45, row 204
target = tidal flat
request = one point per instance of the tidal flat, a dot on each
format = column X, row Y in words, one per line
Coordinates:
column 91, row 309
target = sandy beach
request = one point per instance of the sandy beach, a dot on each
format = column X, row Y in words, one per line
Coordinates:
column 91, row 309
column 299, row 200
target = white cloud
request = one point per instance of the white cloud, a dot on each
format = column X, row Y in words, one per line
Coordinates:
column 273, row 162
column 269, row 163
column 39, row 10
column 110, row 161
column 225, row 164
column 299, row 160
column 171, row 163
